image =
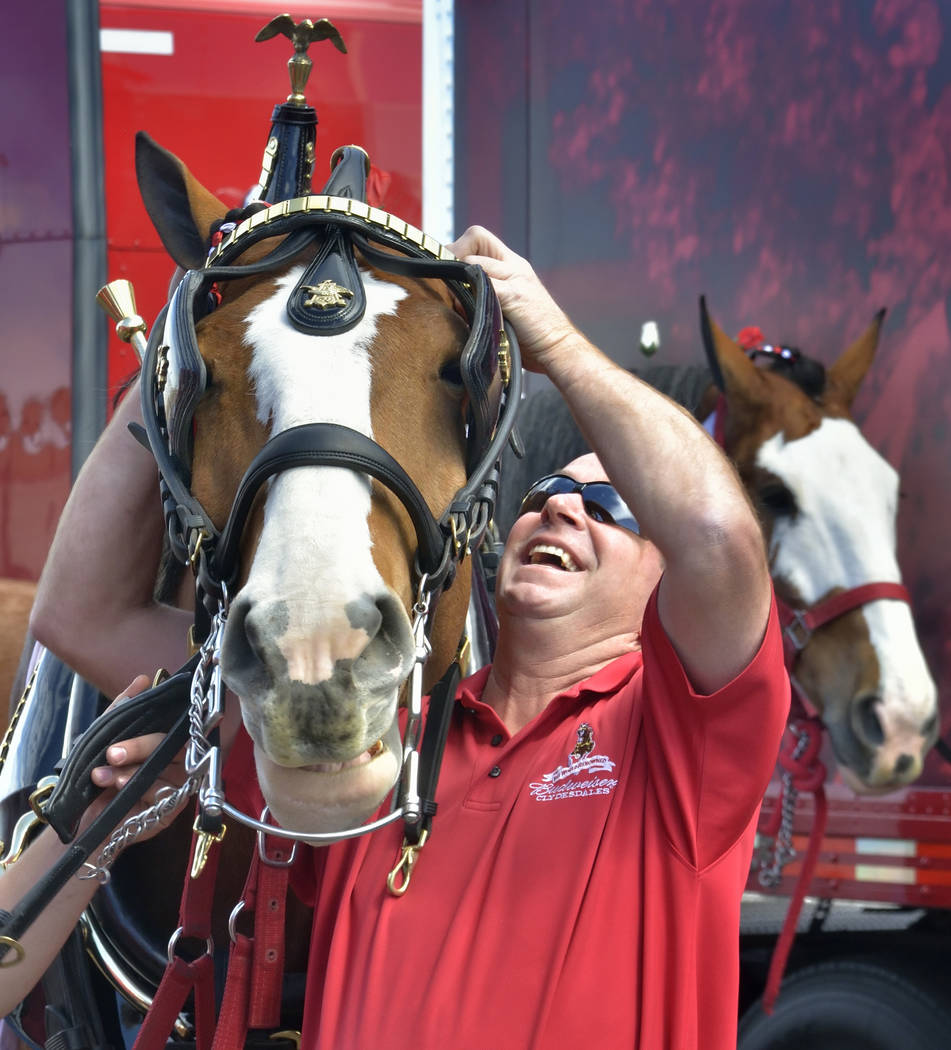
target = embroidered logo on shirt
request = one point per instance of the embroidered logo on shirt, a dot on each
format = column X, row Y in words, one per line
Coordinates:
column 578, row 778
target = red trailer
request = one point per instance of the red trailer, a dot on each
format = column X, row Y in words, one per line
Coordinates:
column 189, row 73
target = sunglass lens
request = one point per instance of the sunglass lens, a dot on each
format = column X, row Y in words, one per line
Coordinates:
column 594, row 510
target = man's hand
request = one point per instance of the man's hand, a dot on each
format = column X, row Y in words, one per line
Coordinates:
column 541, row 325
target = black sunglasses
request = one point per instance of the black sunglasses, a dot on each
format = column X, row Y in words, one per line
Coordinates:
column 599, row 498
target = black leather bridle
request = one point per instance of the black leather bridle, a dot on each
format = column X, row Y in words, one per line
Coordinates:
column 490, row 368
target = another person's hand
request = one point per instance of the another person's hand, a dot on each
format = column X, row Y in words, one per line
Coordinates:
column 125, row 757
column 541, row 325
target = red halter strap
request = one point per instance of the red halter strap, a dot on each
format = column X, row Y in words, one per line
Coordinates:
column 798, row 624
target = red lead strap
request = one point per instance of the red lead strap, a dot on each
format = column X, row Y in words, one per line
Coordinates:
column 808, row 773
column 181, row 976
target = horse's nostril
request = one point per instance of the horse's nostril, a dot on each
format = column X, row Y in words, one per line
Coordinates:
column 242, row 644
column 867, row 723
column 903, row 764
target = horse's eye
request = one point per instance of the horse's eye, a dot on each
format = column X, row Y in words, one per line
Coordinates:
column 777, row 499
column 451, row 375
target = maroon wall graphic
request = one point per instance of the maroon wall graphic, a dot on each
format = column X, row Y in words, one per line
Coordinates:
column 790, row 161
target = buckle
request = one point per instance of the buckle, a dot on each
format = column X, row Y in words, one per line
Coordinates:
column 43, row 791
column 797, row 631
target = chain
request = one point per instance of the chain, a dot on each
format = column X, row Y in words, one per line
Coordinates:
column 15, row 717
column 167, row 801
column 783, row 850
column 205, row 709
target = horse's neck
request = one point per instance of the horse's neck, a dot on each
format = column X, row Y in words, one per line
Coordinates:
column 552, row 439
column 688, row 385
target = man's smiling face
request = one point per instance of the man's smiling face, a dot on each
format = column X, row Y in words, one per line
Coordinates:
column 559, row 561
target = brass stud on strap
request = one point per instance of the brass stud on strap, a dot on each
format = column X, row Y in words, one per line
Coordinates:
column 505, row 358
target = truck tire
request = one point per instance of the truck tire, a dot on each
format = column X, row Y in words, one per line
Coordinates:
column 849, row 1004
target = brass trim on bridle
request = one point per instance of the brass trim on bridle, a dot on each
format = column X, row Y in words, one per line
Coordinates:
column 344, row 206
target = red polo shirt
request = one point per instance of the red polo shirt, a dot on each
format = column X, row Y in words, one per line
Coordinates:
column 582, row 884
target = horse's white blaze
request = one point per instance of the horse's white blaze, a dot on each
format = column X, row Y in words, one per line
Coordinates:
column 844, row 535
column 314, row 550
column 844, row 532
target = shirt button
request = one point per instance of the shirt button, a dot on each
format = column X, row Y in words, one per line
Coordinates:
column 495, row 771
column 497, row 740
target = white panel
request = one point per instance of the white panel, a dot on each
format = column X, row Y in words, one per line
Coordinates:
column 886, row 847
column 137, row 41
column 438, row 115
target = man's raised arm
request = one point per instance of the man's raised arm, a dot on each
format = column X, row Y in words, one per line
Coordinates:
column 715, row 593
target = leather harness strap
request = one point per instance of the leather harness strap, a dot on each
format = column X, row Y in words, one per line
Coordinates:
column 42, row 893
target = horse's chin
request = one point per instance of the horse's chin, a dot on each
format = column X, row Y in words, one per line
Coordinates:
column 330, row 797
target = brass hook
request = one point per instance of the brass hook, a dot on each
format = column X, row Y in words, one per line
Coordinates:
column 409, row 855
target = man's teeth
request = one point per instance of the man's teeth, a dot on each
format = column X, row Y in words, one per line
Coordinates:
column 537, row 556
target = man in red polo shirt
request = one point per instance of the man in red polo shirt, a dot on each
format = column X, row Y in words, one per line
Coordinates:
column 601, row 780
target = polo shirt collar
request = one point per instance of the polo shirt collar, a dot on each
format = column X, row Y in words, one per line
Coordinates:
column 604, row 682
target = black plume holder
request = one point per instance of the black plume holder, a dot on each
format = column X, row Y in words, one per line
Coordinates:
column 294, row 130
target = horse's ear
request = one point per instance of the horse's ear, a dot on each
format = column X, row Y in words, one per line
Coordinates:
column 181, row 209
column 733, row 372
column 846, row 375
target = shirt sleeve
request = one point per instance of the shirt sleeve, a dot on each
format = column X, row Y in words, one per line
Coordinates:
column 710, row 756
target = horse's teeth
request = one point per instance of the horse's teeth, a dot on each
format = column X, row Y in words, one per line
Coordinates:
column 567, row 562
column 376, row 750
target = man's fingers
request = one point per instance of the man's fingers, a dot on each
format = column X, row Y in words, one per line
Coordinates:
column 478, row 241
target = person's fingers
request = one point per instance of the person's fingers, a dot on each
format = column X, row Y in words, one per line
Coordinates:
column 478, row 241
column 136, row 686
column 135, row 750
column 104, row 776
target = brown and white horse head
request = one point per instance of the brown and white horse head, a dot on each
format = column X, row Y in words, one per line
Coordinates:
column 318, row 642
column 828, row 505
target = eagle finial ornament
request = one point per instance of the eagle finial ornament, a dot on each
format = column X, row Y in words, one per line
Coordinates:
column 301, row 35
